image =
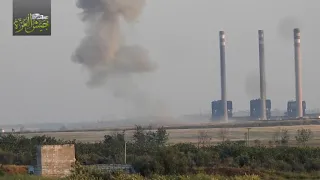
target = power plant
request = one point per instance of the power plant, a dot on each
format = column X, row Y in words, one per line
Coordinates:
column 297, row 60
column 292, row 109
column 223, row 101
column 263, row 113
column 218, row 109
column 260, row 109
column 256, row 109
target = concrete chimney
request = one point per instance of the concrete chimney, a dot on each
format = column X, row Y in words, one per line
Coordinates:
column 262, row 76
column 223, row 75
column 297, row 59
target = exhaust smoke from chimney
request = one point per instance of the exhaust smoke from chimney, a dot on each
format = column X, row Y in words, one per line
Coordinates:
column 223, row 75
column 298, row 79
column 262, row 76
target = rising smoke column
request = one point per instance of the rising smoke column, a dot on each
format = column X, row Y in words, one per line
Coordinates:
column 252, row 85
column 102, row 51
column 286, row 26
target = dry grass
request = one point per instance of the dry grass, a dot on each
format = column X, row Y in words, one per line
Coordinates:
column 14, row 169
column 263, row 134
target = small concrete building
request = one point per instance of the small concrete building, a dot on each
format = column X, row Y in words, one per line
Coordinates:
column 55, row 160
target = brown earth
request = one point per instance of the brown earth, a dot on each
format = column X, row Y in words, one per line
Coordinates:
column 14, row 169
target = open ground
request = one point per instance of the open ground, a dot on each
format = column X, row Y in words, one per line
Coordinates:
column 264, row 134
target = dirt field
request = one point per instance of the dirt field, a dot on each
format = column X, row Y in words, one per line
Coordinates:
column 264, row 134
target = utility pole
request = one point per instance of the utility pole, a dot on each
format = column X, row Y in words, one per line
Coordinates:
column 125, row 152
column 248, row 143
column 125, row 147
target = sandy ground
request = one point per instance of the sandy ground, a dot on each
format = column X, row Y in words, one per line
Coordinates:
column 264, row 134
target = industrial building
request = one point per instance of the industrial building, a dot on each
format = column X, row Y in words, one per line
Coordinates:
column 218, row 109
column 292, row 109
column 255, row 109
column 260, row 108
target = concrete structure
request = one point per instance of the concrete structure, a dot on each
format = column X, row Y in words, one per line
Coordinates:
column 262, row 76
column 55, row 160
column 292, row 109
column 217, row 111
column 297, row 59
column 223, row 75
column 255, row 109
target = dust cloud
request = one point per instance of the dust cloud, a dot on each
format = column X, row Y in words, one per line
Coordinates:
column 106, row 56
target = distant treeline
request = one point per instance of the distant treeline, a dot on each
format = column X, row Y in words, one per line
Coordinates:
column 149, row 152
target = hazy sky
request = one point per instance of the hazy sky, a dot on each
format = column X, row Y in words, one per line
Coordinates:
column 39, row 82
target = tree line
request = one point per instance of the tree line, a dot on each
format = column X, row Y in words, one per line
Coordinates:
column 149, row 152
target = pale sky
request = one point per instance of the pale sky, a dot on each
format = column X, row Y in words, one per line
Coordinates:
column 40, row 83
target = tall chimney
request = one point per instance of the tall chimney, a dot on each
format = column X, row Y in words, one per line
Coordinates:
column 223, row 75
column 262, row 76
column 297, row 58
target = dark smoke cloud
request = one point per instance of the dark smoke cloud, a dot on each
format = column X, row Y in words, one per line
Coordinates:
column 102, row 51
column 252, row 83
column 286, row 26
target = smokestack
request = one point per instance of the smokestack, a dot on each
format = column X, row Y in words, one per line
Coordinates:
column 223, row 75
column 297, row 58
column 262, row 76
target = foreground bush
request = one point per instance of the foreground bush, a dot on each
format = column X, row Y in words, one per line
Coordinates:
column 82, row 173
column 86, row 175
column 149, row 153
column 137, row 177
column 205, row 177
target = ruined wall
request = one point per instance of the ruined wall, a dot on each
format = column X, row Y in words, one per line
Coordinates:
column 55, row 160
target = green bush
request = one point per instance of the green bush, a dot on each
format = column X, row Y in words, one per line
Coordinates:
column 138, row 177
column 313, row 165
column 283, row 166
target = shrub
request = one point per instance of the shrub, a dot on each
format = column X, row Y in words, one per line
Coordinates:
column 313, row 165
column 243, row 160
column 283, row 166
column 297, row 167
column 146, row 166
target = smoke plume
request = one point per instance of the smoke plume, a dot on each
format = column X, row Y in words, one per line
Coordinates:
column 253, row 85
column 142, row 103
column 286, row 26
column 102, row 51
column 109, row 59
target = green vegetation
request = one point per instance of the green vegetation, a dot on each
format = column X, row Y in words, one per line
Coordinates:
column 153, row 158
column 23, row 177
column 138, row 177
